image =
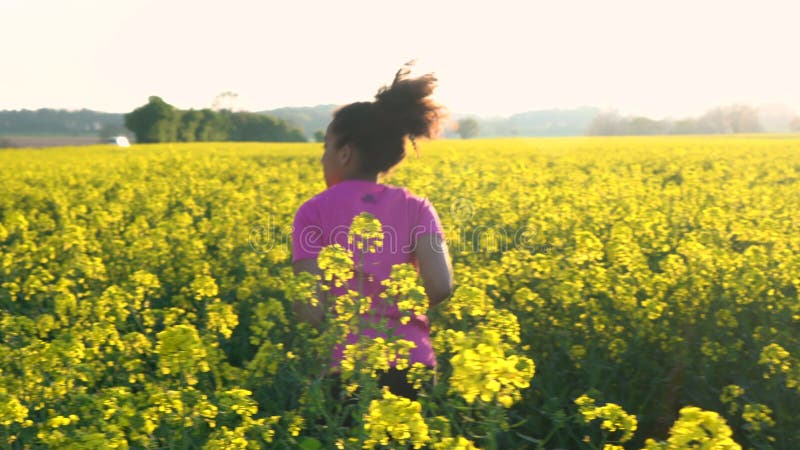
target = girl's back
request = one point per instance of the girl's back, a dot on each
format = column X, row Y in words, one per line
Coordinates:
column 325, row 220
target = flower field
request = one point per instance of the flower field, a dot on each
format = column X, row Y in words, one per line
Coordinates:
column 611, row 293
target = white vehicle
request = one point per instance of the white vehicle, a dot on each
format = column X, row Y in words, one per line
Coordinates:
column 120, row 141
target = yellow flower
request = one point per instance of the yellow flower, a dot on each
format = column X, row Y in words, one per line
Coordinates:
column 366, row 233
column 696, row 429
column 395, row 418
column 757, row 416
column 482, row 369
column 181, row 352
column 11, row 410
column 614, row 417
column 457, row 443
column 336, row 264
column 369, row 355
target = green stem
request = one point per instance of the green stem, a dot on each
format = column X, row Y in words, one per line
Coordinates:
column 492, row 434
column 549, row 435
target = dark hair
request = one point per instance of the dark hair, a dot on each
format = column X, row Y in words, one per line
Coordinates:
column 378, row 129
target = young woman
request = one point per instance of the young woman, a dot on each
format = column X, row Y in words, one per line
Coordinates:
column 364, row 141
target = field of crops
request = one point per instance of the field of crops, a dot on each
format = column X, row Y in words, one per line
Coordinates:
column 610, row 293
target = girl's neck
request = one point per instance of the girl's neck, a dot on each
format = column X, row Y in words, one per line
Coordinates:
column 363, row 177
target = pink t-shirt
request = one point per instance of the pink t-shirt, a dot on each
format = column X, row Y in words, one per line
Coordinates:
column 325, row 219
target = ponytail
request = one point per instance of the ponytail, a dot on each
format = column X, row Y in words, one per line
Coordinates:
column 378, row 129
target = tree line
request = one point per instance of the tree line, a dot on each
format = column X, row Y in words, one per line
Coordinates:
column 161, row 122
column 158, row 121
column 736, row 118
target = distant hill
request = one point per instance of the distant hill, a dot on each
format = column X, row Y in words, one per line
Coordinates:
column 60, row 122
column 548, row 122
column 309, row 119
column 545, row 122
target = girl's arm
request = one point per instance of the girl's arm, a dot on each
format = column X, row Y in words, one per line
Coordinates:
column 313, row 315
column 435, row 268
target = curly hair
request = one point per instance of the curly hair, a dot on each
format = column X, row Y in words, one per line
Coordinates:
column 378, row 130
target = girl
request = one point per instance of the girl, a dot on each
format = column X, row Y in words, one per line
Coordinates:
column 364, row 141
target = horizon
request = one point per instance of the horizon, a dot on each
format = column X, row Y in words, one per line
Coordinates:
column 460, row 114
column 496, row 61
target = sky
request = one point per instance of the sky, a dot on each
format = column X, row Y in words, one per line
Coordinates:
column 662, row 59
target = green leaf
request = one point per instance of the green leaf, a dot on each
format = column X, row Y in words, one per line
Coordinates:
column 310, row 443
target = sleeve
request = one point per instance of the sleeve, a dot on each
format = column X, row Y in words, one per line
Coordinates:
column 306, row 233
column 427, row 221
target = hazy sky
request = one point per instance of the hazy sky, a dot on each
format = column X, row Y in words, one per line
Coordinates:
column 666, row 58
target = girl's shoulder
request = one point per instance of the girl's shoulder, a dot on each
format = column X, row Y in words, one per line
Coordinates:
column 413, row 201
column 406, row 193
column 414, row 204
column 341, row 194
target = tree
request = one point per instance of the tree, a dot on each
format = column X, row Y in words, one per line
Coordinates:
column 262, row 128
column 252, row 127
column 213, row 126
column 227, row 100
column 319, row 136
column 607, row 123
column 468, row 128
column 724, row 119
column 684, row 126
column 731, row 119
column 157, row 121
column 775, row 117
column 645, row 126
column 189, row 123
column 795, row 125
